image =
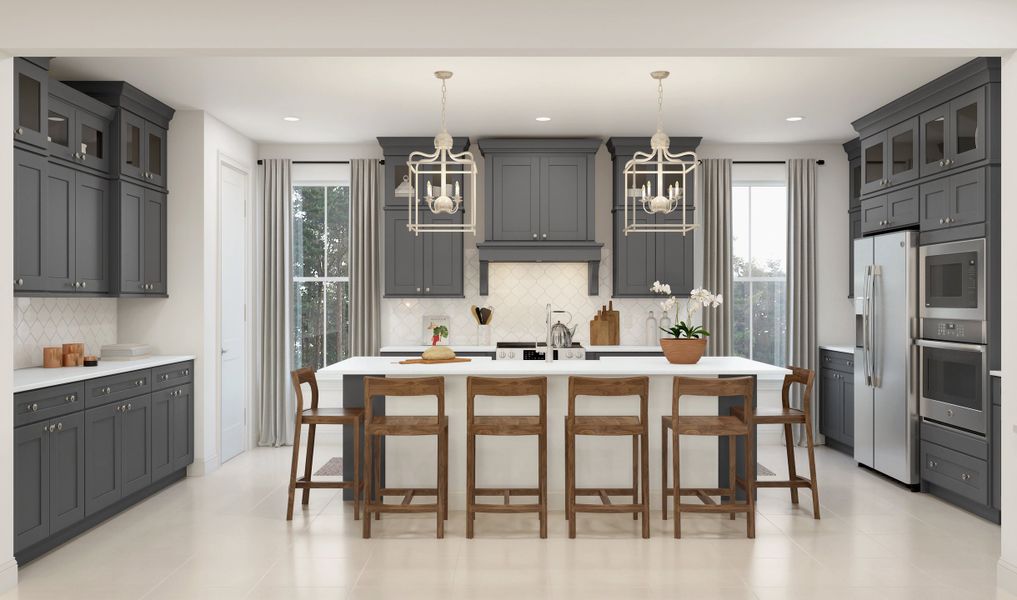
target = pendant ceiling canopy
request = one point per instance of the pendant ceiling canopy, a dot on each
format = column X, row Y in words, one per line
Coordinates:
column 655, row 181
column 441, row 182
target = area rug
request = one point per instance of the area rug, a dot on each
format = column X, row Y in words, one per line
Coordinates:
column 334, row 468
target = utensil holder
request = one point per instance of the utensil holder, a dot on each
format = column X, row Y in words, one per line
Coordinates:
column 483, row 335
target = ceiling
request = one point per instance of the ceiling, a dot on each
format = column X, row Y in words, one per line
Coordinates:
column 355, row 99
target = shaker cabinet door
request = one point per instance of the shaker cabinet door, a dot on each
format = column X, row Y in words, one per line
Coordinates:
column 31, row 484
column 103, row 442
column 563, row 201
column 967, row 197
column 934, row 204
column 674, row 254
column 902, row 207
column 874, row 214
column 67, row 471
column 162, row 434
column 58, row 229
column 182, row 426
column 31, row 184
column 516, row 198
column 443, row 258
column 131, row 239
column 91, row 233
column 404, row 263
column 154, row 239
column 635, row 256
column 136, row 458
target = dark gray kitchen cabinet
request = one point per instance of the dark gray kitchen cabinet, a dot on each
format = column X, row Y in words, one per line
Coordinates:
column 31, row 97
column 67, row 471
column 890, row 157
column 58, row 226
column 79, row 129
column 140, row 130
column 182, row 426
column 855, row 183
column 30, row 234
column 854, row 232
column 429, row 264
column 953, row 133
column 136, row 449
column 641, row 258
column 92, row 216
column 890, row 211
column 103, row 457
column 953, row 201
column 141, row 241
column 515, row 199
column 564, row 202
column 997, row 443
column 31, row 484
column 162, row 434
column 836, row 399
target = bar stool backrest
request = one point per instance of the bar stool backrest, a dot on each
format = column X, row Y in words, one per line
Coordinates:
column 709, row 386
column 403, row 386
column 299, row 377
column 610, row 386
column 804, row 377
column 505, row 387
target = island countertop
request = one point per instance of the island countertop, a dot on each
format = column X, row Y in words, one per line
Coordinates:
column 462, row 348
column 608, row 366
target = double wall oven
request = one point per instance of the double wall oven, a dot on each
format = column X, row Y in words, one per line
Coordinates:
column 954, row 368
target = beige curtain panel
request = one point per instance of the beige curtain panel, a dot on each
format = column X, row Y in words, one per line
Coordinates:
column 801, row 268
column 715, row 179
column 365, row 254
column 275, row 402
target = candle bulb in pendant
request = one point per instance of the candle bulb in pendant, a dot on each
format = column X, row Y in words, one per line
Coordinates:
column 429, row 193
column 457, row 190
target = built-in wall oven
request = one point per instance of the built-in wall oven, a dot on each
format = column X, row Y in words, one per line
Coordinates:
column 954, row 369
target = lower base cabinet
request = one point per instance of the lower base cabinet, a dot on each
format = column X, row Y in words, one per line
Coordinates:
column 69, row 468
column 837, row 400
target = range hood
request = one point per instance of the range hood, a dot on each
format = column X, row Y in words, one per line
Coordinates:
column 539, row 203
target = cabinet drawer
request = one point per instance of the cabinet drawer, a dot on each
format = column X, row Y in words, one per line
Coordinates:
column 837, row 361
column 171, row 375
column 39, row 405
column 117, row 387
column 959, row 473
column 959, row 441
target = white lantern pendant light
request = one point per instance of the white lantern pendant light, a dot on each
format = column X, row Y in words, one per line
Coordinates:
column 663, row 177
column 442, row 171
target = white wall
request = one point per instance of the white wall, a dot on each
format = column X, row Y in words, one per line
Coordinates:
column 8, row 568
column 1007, row 573
column 187, row 321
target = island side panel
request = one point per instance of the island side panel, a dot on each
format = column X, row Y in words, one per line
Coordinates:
column 353, row 397
column 724, row 406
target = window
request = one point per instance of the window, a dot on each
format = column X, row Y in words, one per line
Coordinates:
column 321, row 274
column 759, row 263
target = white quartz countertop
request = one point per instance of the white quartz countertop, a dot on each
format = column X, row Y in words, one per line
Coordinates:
column 37, row 377
column 844, row 349
column 996, row 374
column 460, row 348
column 613, row 366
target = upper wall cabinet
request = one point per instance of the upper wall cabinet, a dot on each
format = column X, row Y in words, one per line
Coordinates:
column 79, row 129
column 429, row 265
column 641, row 258
column 539, row 203
column 890, row 157
column 853, row 151
column 31, row 96
column 140, row 259
column 139, row 128
column 953, row 133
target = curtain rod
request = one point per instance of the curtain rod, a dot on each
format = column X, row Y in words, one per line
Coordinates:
column 317, row 162
column 769, row 162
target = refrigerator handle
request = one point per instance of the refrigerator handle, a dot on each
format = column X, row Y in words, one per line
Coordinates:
column 873, row 376
column 865, row 324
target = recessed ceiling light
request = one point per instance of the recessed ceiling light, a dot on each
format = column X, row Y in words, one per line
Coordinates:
column 543, row 119
column 291, row 119
column 793, row 119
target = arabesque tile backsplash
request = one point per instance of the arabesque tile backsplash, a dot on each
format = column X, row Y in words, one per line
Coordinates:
column 518, row 295
column 40, row 322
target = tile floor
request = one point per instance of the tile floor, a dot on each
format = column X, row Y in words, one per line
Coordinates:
column 224, row 536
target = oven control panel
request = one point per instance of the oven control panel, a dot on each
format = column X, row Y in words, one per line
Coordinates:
column 954, row 330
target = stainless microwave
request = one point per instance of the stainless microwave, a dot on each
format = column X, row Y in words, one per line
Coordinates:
column 952, row 291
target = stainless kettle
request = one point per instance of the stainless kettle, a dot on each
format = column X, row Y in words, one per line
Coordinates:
column 561, row 335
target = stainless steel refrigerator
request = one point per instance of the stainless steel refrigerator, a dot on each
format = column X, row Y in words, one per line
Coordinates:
column 886, row 324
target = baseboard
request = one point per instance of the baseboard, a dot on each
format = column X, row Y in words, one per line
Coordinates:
column 202, row 468
column 1006, row 576
column 8, row 575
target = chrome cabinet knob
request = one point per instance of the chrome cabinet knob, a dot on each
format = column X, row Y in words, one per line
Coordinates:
column 965, row 476
column 418, row 290
column 933, row 464
column 187, row 371
column 427, row 290
column 534, row 236
column 20, row 130
column 34, row 407
column 20, row 281
column 84, row 284
column 942, row 163
column 544, row 236
column 130, row 406
column 52, row 428
column 60, row 426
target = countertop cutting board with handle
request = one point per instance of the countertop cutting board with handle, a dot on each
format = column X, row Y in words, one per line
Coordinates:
column 424, row 361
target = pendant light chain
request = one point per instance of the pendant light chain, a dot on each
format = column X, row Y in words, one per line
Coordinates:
column 443, row 96
column 660, row 105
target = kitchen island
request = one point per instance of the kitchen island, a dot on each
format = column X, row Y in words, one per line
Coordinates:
column 409, row 462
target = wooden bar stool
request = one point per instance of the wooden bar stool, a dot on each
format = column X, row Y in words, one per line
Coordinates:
column 711, row 425
column 313, row 417
column 787, row 417
column 378, row 426
column 511, row 426
column 636, row 427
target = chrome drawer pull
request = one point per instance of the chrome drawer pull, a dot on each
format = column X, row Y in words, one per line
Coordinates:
column 33, row 407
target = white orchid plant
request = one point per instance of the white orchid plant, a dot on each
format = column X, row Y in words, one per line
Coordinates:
column 699, row 298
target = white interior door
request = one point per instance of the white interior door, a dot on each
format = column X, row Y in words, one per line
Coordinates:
column 233, row 310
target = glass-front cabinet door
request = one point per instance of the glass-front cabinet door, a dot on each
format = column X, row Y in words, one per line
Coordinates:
column 155, row 155
column 132, row 133
column 873, row 163
column 60, row 129
column 967, row 136
column 934, row 126
column 902, row 152
column 31, row 98
column 92, row 142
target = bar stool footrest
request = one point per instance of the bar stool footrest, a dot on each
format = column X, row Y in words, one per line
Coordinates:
column 800, row 482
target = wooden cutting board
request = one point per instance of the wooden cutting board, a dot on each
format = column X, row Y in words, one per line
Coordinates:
column 600, row 332
column 614, row 318
column 424, row 361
